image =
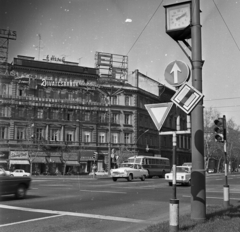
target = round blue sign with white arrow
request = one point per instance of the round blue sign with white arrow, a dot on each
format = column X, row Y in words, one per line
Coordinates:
column 176, row 73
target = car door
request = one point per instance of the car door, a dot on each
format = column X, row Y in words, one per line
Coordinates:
column 17, row 173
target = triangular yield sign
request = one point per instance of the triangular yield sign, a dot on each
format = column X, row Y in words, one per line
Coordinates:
column 159, row 112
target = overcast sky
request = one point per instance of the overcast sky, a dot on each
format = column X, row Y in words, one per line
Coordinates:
column 77, row 29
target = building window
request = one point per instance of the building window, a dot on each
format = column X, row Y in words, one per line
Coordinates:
column 70, row 96
column 20, row 133
column 55, row 114
column 20, row 92
column 87, row 137
column 127, row 139
column 102, row 117
column 39, row 134
column 127, row 101
column 127, row 119
column 69, row 136
column 87, row 116
column 115, row 137
column 102, row 137
column 114, row 100
column 54, row 134
column 3, row 134
column 5, row 111
column 40, row 113
column 20, row 112
column 40, row 93
column 69, row 116
column 115, row 118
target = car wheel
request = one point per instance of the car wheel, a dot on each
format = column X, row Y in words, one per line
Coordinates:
column 130, row 177
column 170, row 183
column 114, row 179
column 21, row 192
column 11, row 175
column 143, row 178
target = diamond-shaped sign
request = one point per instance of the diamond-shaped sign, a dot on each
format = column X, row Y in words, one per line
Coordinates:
column 159, row 112
column 187, row 98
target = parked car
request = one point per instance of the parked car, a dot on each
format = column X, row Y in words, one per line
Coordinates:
column 129, row 172
column 14, row 185
column 183, row 175
column 20, row 172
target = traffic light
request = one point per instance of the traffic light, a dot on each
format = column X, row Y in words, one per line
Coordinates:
column 220, row 130
column 95, row 155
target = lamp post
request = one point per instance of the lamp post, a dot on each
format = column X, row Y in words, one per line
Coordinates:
column 109, row 95
column 141, row 136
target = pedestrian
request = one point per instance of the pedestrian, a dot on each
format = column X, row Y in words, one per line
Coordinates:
column 94, row 167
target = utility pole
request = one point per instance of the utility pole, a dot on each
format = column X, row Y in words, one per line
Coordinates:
column 198, row 182
column 109, row 95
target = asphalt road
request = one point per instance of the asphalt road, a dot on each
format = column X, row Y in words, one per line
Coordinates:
column 71, row 204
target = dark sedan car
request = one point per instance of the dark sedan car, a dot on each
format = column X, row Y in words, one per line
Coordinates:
column 14, row 185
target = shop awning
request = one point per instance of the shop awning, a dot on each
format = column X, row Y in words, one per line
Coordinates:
column 54, row 160
column 72, row 162
column 19, row 162
column 39, row 160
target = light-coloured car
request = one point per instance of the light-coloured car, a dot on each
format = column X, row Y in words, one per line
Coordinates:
column 183, row 175
column 129, row 172
column 20, row 172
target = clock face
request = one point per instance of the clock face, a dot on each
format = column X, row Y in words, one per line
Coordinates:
column 178, row 17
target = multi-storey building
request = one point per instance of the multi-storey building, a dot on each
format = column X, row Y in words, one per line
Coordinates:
column 55, row 116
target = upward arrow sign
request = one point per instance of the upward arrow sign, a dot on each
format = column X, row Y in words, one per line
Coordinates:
column 175, row 70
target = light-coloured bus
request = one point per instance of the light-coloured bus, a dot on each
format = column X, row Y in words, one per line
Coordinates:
column 156, row 166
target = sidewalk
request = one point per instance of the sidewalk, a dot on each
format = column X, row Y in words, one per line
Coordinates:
column 71, row 177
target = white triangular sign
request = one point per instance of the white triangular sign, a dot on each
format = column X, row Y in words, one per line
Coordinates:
column 159, row 112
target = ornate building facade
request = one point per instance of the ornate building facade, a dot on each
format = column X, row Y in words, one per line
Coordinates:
column 55, row 116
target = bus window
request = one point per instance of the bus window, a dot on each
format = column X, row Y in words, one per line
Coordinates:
column 130, row 160
column 138, row 160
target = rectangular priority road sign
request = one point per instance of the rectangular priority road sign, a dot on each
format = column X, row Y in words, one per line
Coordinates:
column 187, row 97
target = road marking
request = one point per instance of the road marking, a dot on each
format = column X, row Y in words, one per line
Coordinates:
column 102, row 191
column 31, row 220
column 85, row 215
column 215, row 197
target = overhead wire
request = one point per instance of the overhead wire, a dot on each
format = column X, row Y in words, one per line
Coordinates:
column 144, row 27
column 226, row 25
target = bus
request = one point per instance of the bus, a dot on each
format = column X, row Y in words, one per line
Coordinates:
column 156, row 166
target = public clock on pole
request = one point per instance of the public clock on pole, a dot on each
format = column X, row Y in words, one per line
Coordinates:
column 178, row 20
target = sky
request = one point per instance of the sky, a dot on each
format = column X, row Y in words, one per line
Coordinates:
column 77, row 29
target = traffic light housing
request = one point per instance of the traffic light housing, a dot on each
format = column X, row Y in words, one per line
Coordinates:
column 220, row 130
column 95, row 155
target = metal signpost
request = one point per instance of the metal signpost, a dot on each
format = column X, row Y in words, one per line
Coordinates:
column 182, row 23
column 221, row 137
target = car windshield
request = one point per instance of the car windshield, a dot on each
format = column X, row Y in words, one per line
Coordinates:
column 126, row 165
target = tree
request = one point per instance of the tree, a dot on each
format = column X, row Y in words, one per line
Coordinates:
column 214, row 149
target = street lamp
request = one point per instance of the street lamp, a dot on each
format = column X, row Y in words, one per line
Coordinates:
column 110, row 94
column 141, row 136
